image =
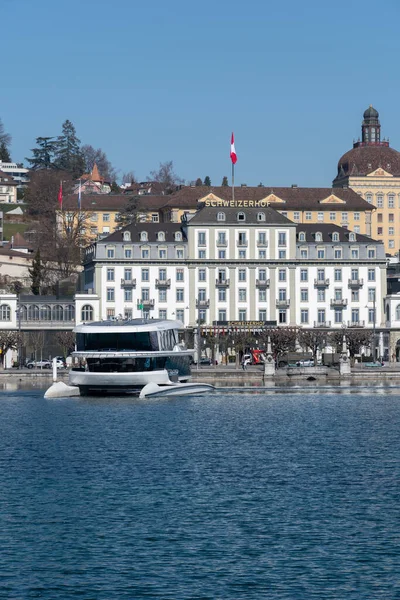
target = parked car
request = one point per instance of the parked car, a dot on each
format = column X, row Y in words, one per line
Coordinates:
column 38, row 364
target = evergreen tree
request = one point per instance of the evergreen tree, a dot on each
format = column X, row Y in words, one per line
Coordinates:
column 225, row 181
column 36, row 273
column 198, row 182
column 43, row 156
column 207, row 180
column 4, row 153
column 68, row 155
column 5, row 138
column 115, row 188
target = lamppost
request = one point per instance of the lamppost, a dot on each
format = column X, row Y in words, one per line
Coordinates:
column 19, row 332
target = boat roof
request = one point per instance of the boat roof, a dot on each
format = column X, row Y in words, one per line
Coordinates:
column 128, row 326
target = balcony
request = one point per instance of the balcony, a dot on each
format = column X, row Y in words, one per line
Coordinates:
column 202, row 304
column 128, row 283
column 145, row 304
column 222, row 243
column 222, row 283
column 356, row 324
column 322, row 324
column 262, row 243
column 163, row 283
column 356, row 283
column 340, row 302
column 262, row 283
column 321, row 283
column 283, row 303
column 242, row 243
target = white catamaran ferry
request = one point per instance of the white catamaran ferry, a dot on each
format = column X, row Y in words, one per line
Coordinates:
column 125, row 356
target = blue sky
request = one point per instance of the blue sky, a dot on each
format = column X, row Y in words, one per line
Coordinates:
column 155, row 81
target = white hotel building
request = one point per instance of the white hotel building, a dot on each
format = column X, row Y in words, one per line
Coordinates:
column 237, row 264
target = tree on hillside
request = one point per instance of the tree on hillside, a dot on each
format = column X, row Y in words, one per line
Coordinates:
column 43, row 156
column 207, row 181
column 91, row 156
column 166, row 176
column 129, row 177
column 314, row 340
column 198, row 182
column 68, row 154
column 115, row 189
column 5, row 138
column 4, row 153
column 8, row 340
column 42, row 192
column 225, row 181
column 36, row 273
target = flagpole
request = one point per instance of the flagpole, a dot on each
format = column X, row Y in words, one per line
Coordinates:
column 233, row 181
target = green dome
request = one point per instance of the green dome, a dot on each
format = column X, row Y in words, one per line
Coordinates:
column 371, row 113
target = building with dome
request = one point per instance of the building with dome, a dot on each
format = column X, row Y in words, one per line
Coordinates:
column 372, row 169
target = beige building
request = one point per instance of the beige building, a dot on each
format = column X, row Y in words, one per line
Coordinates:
column 372, row 169
column 8, row 188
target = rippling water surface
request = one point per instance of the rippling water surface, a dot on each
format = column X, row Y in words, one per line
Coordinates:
column 236, row 495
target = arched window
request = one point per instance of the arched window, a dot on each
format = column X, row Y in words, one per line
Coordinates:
column 221, row 216
column 260, row 216
column 24, row 313
column 302, row 236
column 335, row 236
column 5, row 312
column 87, row 313
column 69, row 313
column 318, row 237
column 58, row 313
column 33, row 313
column 178, row 236
column 352, row 237
column 368, row 198
column 127, row 236
column 398, row 312
column 161, row 236
column 45, row 313
column 241, row 216
column 143, row 236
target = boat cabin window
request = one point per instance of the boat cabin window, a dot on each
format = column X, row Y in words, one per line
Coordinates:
column 143, row 341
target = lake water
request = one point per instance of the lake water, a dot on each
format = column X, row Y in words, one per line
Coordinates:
column 237, row 495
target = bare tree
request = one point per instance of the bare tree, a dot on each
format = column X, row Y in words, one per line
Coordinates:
column 9, row 340
column 129, row 177
column 41, row 195
column 92, row 156
column 35, row 341
column 66, row 341
column 166, row 176
column 283, row 339
column 315, row 339
column 355, row 340
column 241, row 340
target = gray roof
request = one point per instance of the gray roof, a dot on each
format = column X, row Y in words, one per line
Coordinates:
column 207, row 215
column 152, row 230
column 327, row 229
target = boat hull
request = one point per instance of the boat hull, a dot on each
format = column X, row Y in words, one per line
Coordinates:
column 133, row 382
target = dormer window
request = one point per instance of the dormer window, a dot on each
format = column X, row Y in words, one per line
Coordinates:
column 161, row 236
column 260, row 216
column 318, row 237
column 143, row 236
column 241, row 216
column 302, row 236
column 221, row 216
column 178, row 236
column 335, row 237
column 352, row 237
column 127, row 236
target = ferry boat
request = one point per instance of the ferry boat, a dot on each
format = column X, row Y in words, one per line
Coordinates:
column 124, row 356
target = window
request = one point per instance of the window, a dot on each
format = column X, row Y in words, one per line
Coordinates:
column 202, row 275
column 145, row 294
column 391, row 218
column 179, row 253
column 296, row 216
column 127, row 236
column 355, row 315
column 155, row 218
column 380, row 218
column 321, row 274
column 371, row 274
column 162, row 274
column 222, row 314
column 332, row 216
column 106, row 217
column 178, row 236
column 338, row 293
column 354, row 274
column 371, row 294
column 241, row 216
column 321, row 316
column 262, row 315
column 128, row 252
column 110, row 313
column 5, row 312
column 87, row 313
column 93, row 217
column 282, row 254
column 391, row 230
column 110, row 294
column 262, row 255
column 162, row 295
column 356, row 216
column 143, row 236
column 242, row 314
column 308, row 216
column 242, row 295
column 282, row 294
column 355, row 296
column 145, row 275
column 180, row 295
column 110, row 274
column 242, row 240
column 202, row 254
column 222, row 254
column 391, row 243
column 345, row 217
column 282, row 274
column 284, row 213
column 221, row 239
column 356, row 228
column 371, row 315
column 162, row 314
column 145, row 252
column 162, row 253
column 338, row 315
column 335, row 237
column 128, row 274
column 379, row 201
column 368, row 198
column 262, row 295
column 180, row 315
column 352, row 237
column 282, row 316
column 262, row 237
column 338, row 274
column 338, row 253
column 282, row 238
column 304, row 315
column 180, row 274
column 221, row 216
column 320, row 217
column 161, row 236
column 354, row 253
column 128, row 314
column 320, row 252
column 242, row 274
column 303, row 274
column 260, row 216
column 371, row 252
column 202, row 315
column 380, row 230
column 242, row 254
column 304, row 295
column 320, row 295
column 302, row 236
column 128, row 294
column 201, row 238
column 110, row 252
column 303, row 253
column 318, row 237
column 221, row 294
column 221, row 275
column 391, row 201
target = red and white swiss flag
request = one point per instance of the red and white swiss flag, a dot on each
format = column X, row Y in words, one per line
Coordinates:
column 233, row 151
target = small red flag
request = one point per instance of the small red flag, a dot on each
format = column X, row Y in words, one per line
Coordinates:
column 60, row 195
column 233, row 151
